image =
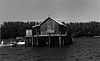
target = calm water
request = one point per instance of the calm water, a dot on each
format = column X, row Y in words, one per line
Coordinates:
column 83, row 49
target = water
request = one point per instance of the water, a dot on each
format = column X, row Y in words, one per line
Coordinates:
column 83, row 49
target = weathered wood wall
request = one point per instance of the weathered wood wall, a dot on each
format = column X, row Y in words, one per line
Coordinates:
column 51, row 25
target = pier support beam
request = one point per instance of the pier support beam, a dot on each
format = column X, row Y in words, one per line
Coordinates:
column 37, row 40
column 60, row 40
column 32, row 40
column 49, row 39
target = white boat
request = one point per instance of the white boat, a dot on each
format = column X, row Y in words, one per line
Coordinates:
column 21, row 43
column 2, row 43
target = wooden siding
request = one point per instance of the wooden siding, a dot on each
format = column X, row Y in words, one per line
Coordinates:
column 51, row 25
column 63, row 29
column 36, row 30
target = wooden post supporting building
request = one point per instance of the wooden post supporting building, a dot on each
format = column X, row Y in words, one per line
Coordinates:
column 49, row 39
column 37, row 40
column 32, row 40
column 60, row 40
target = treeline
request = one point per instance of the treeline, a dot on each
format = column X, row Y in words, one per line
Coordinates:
column 18, row 29
column 15, row 29
column 87, row 29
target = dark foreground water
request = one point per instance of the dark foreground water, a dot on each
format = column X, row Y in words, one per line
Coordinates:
column 83, row 49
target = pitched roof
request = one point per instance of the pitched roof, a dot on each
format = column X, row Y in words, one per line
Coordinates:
column 50, row 19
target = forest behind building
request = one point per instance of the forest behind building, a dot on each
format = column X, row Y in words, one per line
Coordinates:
column 77, row 29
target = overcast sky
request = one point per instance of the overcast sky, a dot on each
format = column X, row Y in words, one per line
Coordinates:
column 65, row 10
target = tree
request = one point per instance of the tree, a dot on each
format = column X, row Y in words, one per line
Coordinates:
column 15, row 29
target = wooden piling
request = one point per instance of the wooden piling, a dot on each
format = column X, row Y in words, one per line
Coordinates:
column 63, row 41
column 60, row 40
column 25, row 41
column 37, row 40
column 49, row 39
column 28, row 42
column 32, row 40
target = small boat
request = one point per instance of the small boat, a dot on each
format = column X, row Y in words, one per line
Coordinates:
column 8, row 45
column 5, row 45
column 21, row 43
column 2, row 43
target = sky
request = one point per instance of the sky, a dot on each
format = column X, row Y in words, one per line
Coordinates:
column 39, row 10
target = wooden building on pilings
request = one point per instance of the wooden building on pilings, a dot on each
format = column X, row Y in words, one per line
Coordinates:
column 49, row 33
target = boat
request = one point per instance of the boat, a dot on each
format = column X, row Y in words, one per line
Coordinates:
column 2, row 43
column 20, row 43
column 5, row 45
